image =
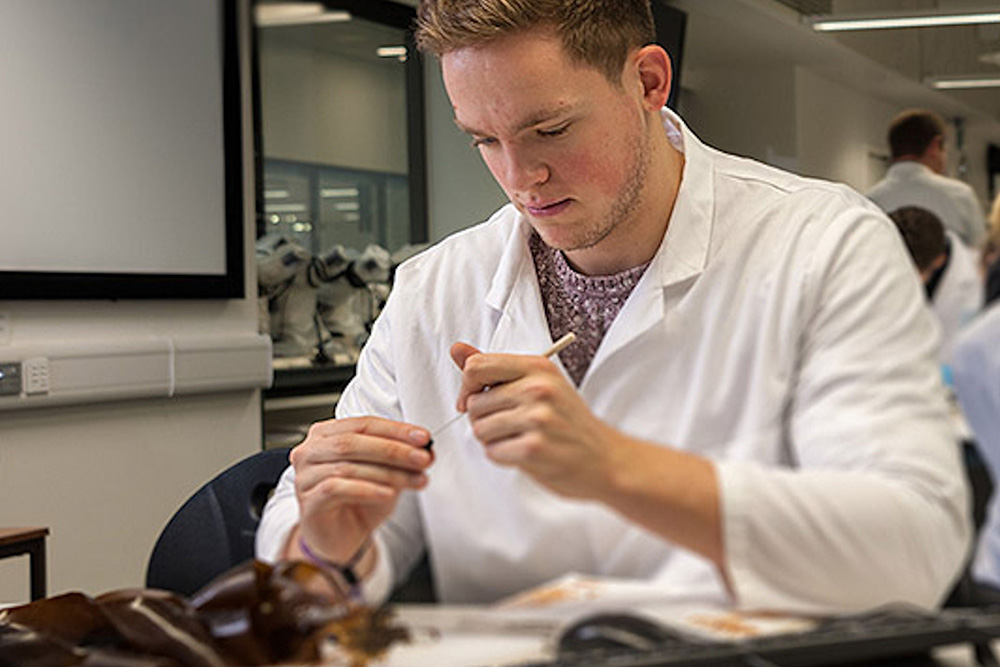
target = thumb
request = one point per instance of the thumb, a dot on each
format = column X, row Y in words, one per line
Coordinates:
column 460, row 353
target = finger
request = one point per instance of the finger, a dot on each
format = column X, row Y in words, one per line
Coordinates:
column 460, row 354
column 510, row 418
column 500, row 398
column 376, row 426
column 486, row 371
column 462, row 351
column 392, row 477
column 363, row 448
column 335, row 492
column 497, row 427
column 521, row 450
column 533, row 389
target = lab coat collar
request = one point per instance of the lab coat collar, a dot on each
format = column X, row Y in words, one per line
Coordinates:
column 514, row 292
column 683, row 252
column 907, row 169
column 682, row 256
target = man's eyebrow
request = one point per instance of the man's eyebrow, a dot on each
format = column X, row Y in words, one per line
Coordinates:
column 464, row 128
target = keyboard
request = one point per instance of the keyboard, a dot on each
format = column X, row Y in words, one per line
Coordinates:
column 854, row 640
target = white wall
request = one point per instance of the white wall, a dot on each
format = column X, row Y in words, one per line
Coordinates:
column 840, row 132
column 106, row 477
column 746, row 111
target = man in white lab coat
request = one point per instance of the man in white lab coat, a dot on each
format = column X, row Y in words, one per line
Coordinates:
column 752, row 413
column 917, row 177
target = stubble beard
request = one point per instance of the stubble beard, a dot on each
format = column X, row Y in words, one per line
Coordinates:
column 627, row 201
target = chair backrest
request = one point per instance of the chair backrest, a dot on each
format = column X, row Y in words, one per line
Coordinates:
column 214, row 530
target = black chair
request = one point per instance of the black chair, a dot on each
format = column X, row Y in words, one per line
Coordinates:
column 214, row 530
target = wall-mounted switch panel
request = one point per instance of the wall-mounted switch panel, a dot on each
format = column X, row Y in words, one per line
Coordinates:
column 67, row 373
column 10, row 378
column 36, row 376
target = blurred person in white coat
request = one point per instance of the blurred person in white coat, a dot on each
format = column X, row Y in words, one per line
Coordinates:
column 976, row 374
column 948, row 270
column 917, row 177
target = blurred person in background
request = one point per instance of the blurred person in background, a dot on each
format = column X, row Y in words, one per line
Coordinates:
column 947, row 269
column 917, row 177
column 990, row 261
column 976, row 377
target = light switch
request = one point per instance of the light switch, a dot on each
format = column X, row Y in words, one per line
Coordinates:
column 36, row 376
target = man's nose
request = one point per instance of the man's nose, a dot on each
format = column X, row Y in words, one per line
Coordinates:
column 524, row 170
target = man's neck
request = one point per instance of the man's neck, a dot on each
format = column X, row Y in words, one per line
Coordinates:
column 927, row 162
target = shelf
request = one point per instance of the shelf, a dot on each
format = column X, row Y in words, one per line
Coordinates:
column 317, row 379
column 298, row 402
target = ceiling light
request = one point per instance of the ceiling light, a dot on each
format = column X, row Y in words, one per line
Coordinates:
column 907, row 20
column 274, row 14
column 960, row 82
column 391, row 52
column 276, row 194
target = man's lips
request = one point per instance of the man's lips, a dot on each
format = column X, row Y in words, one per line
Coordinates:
column 544, row 210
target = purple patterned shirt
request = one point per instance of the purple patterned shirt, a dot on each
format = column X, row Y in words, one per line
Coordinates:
column 585, row 305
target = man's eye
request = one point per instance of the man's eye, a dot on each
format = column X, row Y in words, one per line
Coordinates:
column 554, row 132
column 482, row 141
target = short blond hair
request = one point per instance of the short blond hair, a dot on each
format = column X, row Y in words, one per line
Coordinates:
column 598, row 33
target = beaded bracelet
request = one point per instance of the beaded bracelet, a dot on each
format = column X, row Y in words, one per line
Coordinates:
column 346, row 570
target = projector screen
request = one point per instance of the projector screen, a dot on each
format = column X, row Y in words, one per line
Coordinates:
column 121, row 149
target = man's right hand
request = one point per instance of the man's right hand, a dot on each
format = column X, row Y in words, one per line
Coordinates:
column 348, row 476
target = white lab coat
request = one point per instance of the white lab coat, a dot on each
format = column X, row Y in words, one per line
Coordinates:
column 910, row 183
column 959, row 295
column 779, row 331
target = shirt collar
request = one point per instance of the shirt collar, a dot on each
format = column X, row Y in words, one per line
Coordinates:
column 908, row 168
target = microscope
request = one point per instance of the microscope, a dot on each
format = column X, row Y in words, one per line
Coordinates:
column 352, row 288
column 286, row 300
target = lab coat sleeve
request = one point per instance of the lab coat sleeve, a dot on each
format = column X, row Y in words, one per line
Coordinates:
column 400, row 539
column 875, row 508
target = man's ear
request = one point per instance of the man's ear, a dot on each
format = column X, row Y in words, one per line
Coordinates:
column 936, row 147
column 655, row 75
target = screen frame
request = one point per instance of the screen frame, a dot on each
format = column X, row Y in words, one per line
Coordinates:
column 48, row 285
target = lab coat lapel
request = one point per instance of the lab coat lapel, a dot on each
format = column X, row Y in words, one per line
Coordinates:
column 683, row 252
column 514, row 293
